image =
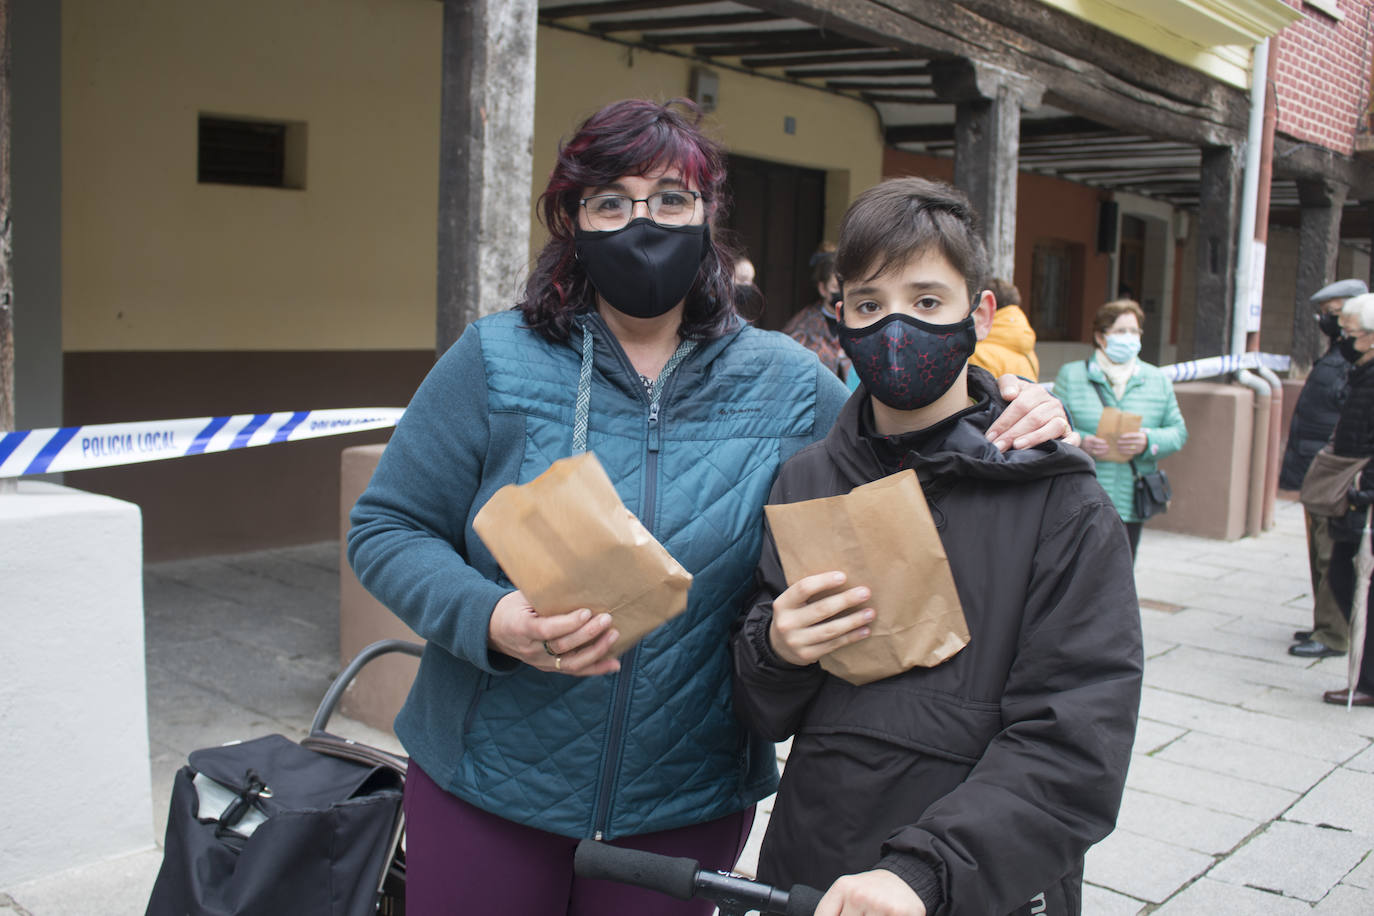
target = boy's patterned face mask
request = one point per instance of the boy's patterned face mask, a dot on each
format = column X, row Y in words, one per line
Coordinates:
column 907, row 363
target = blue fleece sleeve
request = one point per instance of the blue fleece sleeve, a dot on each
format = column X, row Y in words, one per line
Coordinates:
column 409, row 526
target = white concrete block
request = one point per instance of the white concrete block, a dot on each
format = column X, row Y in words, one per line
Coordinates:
column 73, row 703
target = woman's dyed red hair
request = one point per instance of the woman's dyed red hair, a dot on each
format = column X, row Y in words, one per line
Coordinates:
column 631, row 137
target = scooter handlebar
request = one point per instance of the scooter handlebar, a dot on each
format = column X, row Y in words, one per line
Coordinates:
column 685, row 879
column 665, row 874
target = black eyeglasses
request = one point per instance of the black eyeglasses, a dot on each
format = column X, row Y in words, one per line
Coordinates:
column 666, row 208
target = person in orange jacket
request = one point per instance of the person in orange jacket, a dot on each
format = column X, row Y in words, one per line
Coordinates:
column 1010, row 345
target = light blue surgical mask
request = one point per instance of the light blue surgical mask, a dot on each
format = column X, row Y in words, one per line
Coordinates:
column 1122, row 348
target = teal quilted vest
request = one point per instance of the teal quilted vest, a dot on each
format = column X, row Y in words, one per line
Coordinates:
column 657, row 745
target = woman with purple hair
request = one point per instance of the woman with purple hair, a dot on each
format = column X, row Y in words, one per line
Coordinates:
column 524, row 733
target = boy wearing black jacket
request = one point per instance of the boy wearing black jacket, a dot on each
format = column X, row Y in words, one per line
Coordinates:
column 974, row 787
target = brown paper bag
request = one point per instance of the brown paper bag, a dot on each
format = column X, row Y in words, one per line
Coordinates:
column 880, row 535
column 567, row 542
column 1113, row 423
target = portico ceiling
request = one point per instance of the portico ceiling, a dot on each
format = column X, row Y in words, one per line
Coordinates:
column 840, row 47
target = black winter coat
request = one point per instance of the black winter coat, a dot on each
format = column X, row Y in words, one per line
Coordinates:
column 982, row 781
column 1314, row 416
column 1354, row 438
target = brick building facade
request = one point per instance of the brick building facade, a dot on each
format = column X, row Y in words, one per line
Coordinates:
column 1322, row 74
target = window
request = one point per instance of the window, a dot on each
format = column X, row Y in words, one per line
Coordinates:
column 266, row 154
column 1055, row 295
column 1328, row 7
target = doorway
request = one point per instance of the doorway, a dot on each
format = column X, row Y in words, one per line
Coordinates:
column 1142, row 274
column 777, row 217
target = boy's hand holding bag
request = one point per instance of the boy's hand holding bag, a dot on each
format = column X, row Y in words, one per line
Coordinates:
column 567, row 542
column 879, row 535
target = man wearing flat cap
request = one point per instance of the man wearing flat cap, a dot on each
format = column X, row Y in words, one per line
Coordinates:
column 1314, row 417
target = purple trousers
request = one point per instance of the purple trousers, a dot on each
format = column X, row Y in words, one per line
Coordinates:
column 463, row 861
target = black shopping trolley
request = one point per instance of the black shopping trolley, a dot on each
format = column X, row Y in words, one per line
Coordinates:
column 269, row 826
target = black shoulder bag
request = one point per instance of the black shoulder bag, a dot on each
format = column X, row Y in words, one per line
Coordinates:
column 1152, row 491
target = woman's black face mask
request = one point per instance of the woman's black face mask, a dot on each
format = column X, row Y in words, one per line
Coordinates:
column 907, row 363
column 1347, row 347
column 643, row 269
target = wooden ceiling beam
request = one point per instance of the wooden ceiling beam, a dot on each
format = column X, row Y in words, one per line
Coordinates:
column 894, row 99
column 781, row 37
column 943, row 28
column 879, row 85
column 805, row 73
column 806, row 60
column 571, row 10
column 1294, row 159
column 652, row 24
column 757, row 43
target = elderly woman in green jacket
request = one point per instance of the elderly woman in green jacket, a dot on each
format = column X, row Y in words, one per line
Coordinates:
column 1114, row 376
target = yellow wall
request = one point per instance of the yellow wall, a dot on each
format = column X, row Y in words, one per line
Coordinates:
column 152, row 260
column 577, row 74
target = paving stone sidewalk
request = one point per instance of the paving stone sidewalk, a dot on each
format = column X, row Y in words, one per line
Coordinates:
column 1246, row 794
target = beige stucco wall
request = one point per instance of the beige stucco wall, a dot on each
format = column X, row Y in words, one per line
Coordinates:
column 152, row 260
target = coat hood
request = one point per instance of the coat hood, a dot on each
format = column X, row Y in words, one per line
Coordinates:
column 963, row 453
column 1011, row 329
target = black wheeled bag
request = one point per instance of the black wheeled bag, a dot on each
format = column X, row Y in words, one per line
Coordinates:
column 269, row 827
column 278, row 829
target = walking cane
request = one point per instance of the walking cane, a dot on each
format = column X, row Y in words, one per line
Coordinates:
column 1359, row 609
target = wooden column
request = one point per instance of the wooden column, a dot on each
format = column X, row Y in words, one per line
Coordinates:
column 6, row 249
column 1319, row 242
column 1218, row 223
column 987, row 139
column 486, row 139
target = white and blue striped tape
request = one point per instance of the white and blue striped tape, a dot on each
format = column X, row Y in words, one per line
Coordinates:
column 1220, row 365
column 1211, row 366
column 77, row 448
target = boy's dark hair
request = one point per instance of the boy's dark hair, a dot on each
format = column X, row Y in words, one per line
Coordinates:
column 892, row 222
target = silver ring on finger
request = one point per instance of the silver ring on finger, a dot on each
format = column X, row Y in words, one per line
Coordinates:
column 549, row 649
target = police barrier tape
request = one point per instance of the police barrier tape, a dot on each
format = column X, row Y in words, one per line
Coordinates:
column 1194, row 369
column 76, row 448
column 1220, row 365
